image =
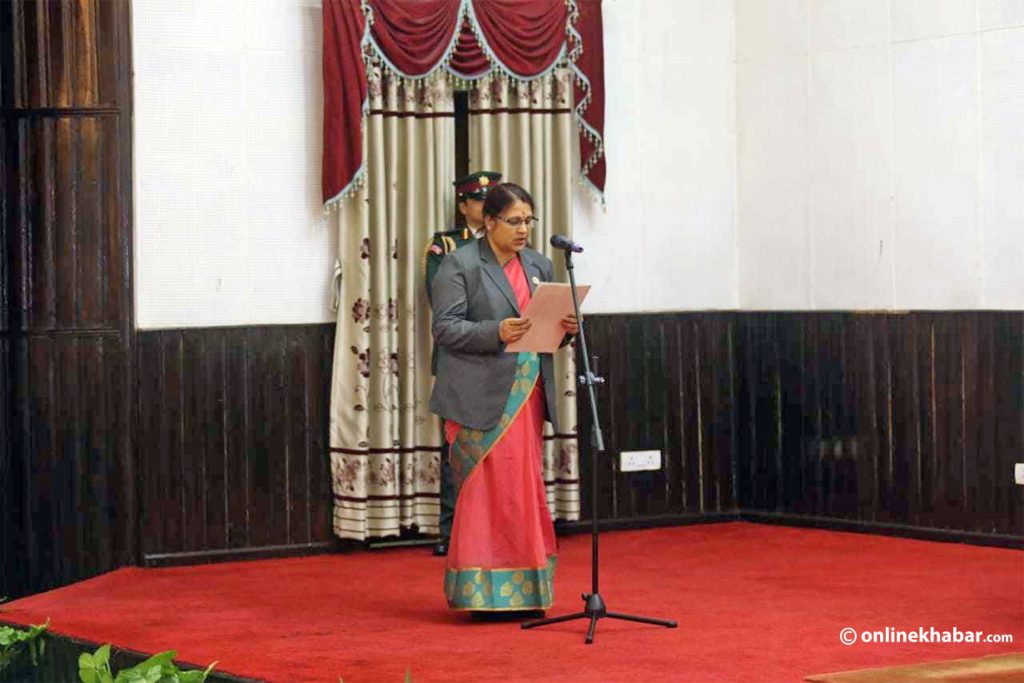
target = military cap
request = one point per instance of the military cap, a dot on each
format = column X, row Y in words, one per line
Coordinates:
column 476, row 185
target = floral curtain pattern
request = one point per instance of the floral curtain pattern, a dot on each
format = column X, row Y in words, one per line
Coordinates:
column 524, row 129
column 384, row 441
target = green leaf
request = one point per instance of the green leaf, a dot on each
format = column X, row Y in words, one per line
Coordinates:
column 141, row 671
column 161, row 659
column 14, row 641
column 85, row 661
column 195, row 675
column 88, row 676
column 102, row 656
column 129, row 676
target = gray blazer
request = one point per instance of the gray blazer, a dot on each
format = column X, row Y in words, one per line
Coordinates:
column 471, row 296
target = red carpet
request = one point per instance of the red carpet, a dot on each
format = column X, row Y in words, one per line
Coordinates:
column 755, row 603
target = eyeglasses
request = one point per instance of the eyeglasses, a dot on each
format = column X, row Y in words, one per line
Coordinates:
column 516, row 221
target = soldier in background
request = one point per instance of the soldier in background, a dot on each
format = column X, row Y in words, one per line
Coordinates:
column 470, row 193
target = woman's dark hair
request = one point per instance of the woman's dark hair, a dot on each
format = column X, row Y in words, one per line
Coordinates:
column 503, row 196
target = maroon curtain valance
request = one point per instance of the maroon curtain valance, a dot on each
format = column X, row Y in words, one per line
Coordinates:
column 469, row 39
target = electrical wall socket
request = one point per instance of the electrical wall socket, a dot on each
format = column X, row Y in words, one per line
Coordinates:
column 1018, row 472
column 639, row 461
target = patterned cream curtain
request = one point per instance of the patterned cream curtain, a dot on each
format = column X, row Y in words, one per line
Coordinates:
column 384, row 441
column 525, row 131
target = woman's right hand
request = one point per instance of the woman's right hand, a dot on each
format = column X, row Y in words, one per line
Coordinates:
column 512, row 329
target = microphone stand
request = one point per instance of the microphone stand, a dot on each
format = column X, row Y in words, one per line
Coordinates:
column 594, row 608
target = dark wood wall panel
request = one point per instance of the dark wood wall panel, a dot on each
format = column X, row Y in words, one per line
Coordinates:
column 670, row 385
column 63, row 53
column 232, row 436
column 10, row 501
column 885, row 421
column 67, row 505
column 68, row 520
column 67, row 265
column 912, row 419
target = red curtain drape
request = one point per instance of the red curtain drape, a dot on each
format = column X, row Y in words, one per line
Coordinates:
column 414, row 35
column 590, row 65
column 522, row 38
column 345, row 90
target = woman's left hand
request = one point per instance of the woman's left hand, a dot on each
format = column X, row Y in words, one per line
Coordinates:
column 570, row 324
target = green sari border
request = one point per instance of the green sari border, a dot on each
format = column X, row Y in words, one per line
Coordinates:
column 501, row 590
column 471, row 446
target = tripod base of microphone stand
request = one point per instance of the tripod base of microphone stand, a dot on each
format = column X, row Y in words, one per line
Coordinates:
column 595, row 609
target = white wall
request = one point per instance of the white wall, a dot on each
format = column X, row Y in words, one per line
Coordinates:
column 880, row 154
column 229, row 228
column 667, row 240
column 763, row 154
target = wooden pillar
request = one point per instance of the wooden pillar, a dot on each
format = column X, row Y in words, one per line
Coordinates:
column 67, row 483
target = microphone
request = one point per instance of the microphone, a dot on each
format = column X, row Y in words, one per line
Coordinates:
column 563, row 242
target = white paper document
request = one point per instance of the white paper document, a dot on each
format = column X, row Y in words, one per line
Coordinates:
column 551, row 302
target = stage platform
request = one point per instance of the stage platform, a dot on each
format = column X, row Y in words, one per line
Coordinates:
column 754, row 603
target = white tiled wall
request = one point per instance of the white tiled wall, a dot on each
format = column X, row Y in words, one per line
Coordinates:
column 909, row 116
column 666, row 240
column 918, row 19
column 763, row 154
column 995, row 14
column 228, row 224
column 850, row 214
column 837, row 24
column 935, row 152
column 1002, row 166
column 773, row 240
column 770, row 28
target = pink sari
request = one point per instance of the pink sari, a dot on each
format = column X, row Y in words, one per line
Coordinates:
column 502, row 550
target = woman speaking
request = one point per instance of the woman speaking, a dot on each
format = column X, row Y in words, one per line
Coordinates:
column 502, row 551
